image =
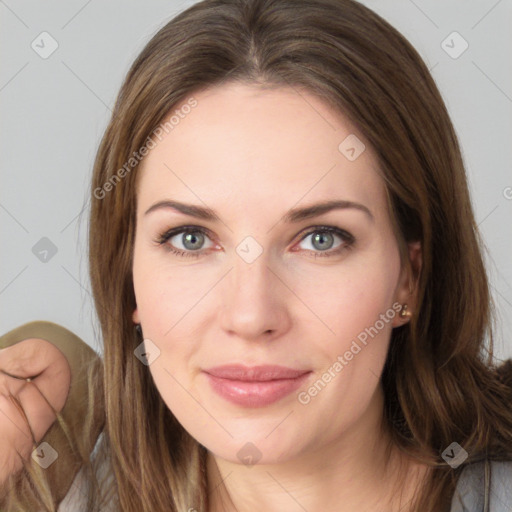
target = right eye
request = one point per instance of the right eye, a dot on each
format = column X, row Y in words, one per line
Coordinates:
column 185, row 235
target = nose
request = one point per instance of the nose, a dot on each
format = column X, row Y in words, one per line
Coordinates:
column 254, row 301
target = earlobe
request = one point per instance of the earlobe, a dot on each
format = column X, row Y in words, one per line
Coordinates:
column 404, row 311
column 135, row 316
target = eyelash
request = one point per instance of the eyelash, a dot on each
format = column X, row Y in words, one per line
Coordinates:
column 345, row 236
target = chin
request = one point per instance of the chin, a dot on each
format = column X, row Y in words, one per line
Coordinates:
column 256, row 450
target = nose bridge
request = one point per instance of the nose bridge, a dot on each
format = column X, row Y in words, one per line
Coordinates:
column 250, row 302
column 251, row 276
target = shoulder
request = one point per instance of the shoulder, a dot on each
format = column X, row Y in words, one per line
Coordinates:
column 471, row 494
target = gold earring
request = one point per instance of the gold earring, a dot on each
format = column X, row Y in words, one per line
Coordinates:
column 404, row 313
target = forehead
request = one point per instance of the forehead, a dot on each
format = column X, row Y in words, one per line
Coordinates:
column 242, row 145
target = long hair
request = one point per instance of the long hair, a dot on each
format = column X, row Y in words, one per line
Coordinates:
column 440, row 380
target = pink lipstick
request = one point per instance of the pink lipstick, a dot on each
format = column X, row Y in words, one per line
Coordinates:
column 255, row 386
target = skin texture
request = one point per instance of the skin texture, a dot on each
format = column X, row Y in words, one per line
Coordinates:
column 252, row 155
column 40, row 359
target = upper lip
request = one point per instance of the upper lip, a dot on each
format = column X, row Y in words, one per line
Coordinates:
column 260, row 373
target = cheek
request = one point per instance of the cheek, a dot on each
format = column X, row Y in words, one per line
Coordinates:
column 359, row 312
column 170, row 309
column 178, row 392
column 350, row 354
column 350, row 298
column 169, row 312
column 166, row 295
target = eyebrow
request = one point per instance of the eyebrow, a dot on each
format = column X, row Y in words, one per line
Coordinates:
column 292, row 216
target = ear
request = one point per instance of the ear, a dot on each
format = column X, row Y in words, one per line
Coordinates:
column 406, row 291
column 135, row 316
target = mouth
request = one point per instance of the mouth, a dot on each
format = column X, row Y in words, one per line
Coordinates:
column 255, row 386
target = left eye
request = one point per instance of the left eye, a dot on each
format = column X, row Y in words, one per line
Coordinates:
column 323, row 239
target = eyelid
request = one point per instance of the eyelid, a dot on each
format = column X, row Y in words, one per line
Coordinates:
column 347, row 238
column 326, row 229
column 184, row 229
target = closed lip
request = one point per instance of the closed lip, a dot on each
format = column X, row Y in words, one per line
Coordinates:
column 261, row 373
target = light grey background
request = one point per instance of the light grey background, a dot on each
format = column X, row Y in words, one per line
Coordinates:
column 54, row 111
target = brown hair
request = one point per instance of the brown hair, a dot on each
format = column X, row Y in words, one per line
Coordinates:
column 439, row 384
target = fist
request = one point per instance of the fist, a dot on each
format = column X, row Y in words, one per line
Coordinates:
column 27, row 407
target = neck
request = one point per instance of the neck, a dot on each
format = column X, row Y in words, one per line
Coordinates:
column 359, row 469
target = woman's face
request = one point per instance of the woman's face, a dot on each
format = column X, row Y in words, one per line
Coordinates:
column 259, row 283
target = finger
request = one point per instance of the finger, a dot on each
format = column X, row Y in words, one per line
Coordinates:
column 28, row 357
column 43, row 396
column 36, row 410
column 54, row 383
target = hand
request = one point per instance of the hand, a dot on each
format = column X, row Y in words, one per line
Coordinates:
column 47, row 389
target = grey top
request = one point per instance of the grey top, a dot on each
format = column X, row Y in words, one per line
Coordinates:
column 471, row 495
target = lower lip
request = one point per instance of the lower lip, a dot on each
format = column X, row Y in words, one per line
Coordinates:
column 255, row 394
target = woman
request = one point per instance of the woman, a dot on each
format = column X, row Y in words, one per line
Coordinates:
column 288, row 274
